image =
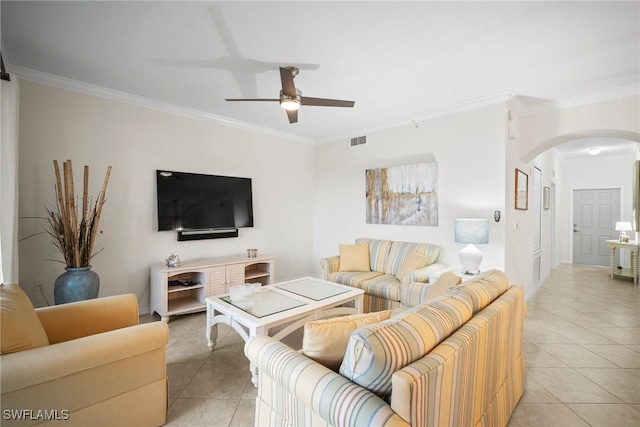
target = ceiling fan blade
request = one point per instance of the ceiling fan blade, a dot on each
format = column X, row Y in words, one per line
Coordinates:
column 288, row 88
column 252, row 99
column 293, row 116
column 324, row 102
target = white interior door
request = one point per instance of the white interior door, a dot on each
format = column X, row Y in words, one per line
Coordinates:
column 595, row 213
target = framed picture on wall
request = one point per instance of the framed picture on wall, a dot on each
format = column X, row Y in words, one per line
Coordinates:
column 522, row 190
column 546, row 198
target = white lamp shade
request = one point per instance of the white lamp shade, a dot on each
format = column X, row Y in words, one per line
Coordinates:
column 472, row 232
column 623, row 226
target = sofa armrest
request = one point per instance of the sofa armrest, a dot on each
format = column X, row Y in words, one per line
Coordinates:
column 417, row 293
column 39, row 365
column 334, row 398
column 74, row 320
column 422, row 275
column 329, row 265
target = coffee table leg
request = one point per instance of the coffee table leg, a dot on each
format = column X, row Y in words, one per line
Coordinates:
column 211, row 331
column 253, row 332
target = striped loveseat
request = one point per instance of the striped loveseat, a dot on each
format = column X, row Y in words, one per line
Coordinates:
column 383, row 288
column 456, row 360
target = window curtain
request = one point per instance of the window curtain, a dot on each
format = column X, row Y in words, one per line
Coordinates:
column 9, row 94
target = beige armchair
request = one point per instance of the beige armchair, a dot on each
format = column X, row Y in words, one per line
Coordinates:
column 100, row 367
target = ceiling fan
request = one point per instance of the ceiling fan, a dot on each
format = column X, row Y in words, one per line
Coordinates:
column 291, row 98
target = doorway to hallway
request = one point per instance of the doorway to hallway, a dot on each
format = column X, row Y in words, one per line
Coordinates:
column 595, row 212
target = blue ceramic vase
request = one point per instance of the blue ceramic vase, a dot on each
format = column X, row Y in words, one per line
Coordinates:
column 77, row 284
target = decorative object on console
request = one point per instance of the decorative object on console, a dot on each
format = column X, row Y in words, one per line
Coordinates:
column 623, row 227
column 173, row 261
column 239, row 293
column 472, row 232
column 522, row 190
column 74, row 234
column 403, row 195
column 252, row 253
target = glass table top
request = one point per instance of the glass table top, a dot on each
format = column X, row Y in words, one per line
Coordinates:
column 265, row 302
column 268, row 301
column 312, row 288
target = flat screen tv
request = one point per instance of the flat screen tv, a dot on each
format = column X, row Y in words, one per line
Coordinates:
column 191, row 201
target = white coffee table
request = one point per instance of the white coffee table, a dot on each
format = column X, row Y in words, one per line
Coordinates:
column 292, row 303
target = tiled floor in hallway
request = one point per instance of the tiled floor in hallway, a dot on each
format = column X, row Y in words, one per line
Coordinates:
column 582, row 351
column 582, row 347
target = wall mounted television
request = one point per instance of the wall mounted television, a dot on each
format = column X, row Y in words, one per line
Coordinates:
column 195, row 202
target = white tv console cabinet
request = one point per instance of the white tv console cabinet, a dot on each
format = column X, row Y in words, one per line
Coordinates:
column 207, row 277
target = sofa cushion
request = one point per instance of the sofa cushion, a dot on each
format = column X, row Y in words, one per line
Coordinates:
column 325, row 341
column 378, row 251
column 376, row 351
column 413, row 261
column 484, row 289
column 353, row 278
column 21, row 329
column 354, row 258
column 384, row 286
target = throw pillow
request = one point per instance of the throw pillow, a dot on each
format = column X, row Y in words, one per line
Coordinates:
column 354, row 258
column 375, row 352
column 21, row 328
column 325, row 341
column 413, row 261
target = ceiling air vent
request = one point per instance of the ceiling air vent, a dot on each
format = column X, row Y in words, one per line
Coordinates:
column 358, row 140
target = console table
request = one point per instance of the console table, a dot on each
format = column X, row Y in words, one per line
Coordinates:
column 183, row 289
column 625, row 272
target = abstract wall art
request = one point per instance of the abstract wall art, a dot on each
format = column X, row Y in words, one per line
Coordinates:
column 403, row 195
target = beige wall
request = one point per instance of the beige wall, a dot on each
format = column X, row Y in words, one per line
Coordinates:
column 618, row 117
column 307, row 199
column 469, row 148
column 135, row 141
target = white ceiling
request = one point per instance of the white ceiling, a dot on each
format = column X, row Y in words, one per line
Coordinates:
column 578, row 148
column 399, row 61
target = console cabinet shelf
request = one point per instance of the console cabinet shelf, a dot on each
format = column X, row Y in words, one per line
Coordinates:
column 183, row 289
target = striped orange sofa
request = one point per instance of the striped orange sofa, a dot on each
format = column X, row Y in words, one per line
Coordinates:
column 384, row 284
column 456, row 360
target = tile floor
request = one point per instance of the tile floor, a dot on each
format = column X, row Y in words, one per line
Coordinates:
column 582, row 348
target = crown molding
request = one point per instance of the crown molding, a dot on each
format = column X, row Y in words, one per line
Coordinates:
column 446, row 110
column 509, row 97
column 560, row 104
column 141, row 101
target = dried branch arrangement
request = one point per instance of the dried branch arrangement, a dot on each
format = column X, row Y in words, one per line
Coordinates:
column 73, row 231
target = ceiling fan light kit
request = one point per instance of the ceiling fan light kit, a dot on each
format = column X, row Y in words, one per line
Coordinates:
column 289, row 103
column 291, row 98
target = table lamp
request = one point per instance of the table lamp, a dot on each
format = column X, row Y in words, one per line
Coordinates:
column 472, row 232
column 623, row 227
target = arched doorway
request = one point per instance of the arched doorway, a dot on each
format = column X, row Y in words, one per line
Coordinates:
column 576, row 172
